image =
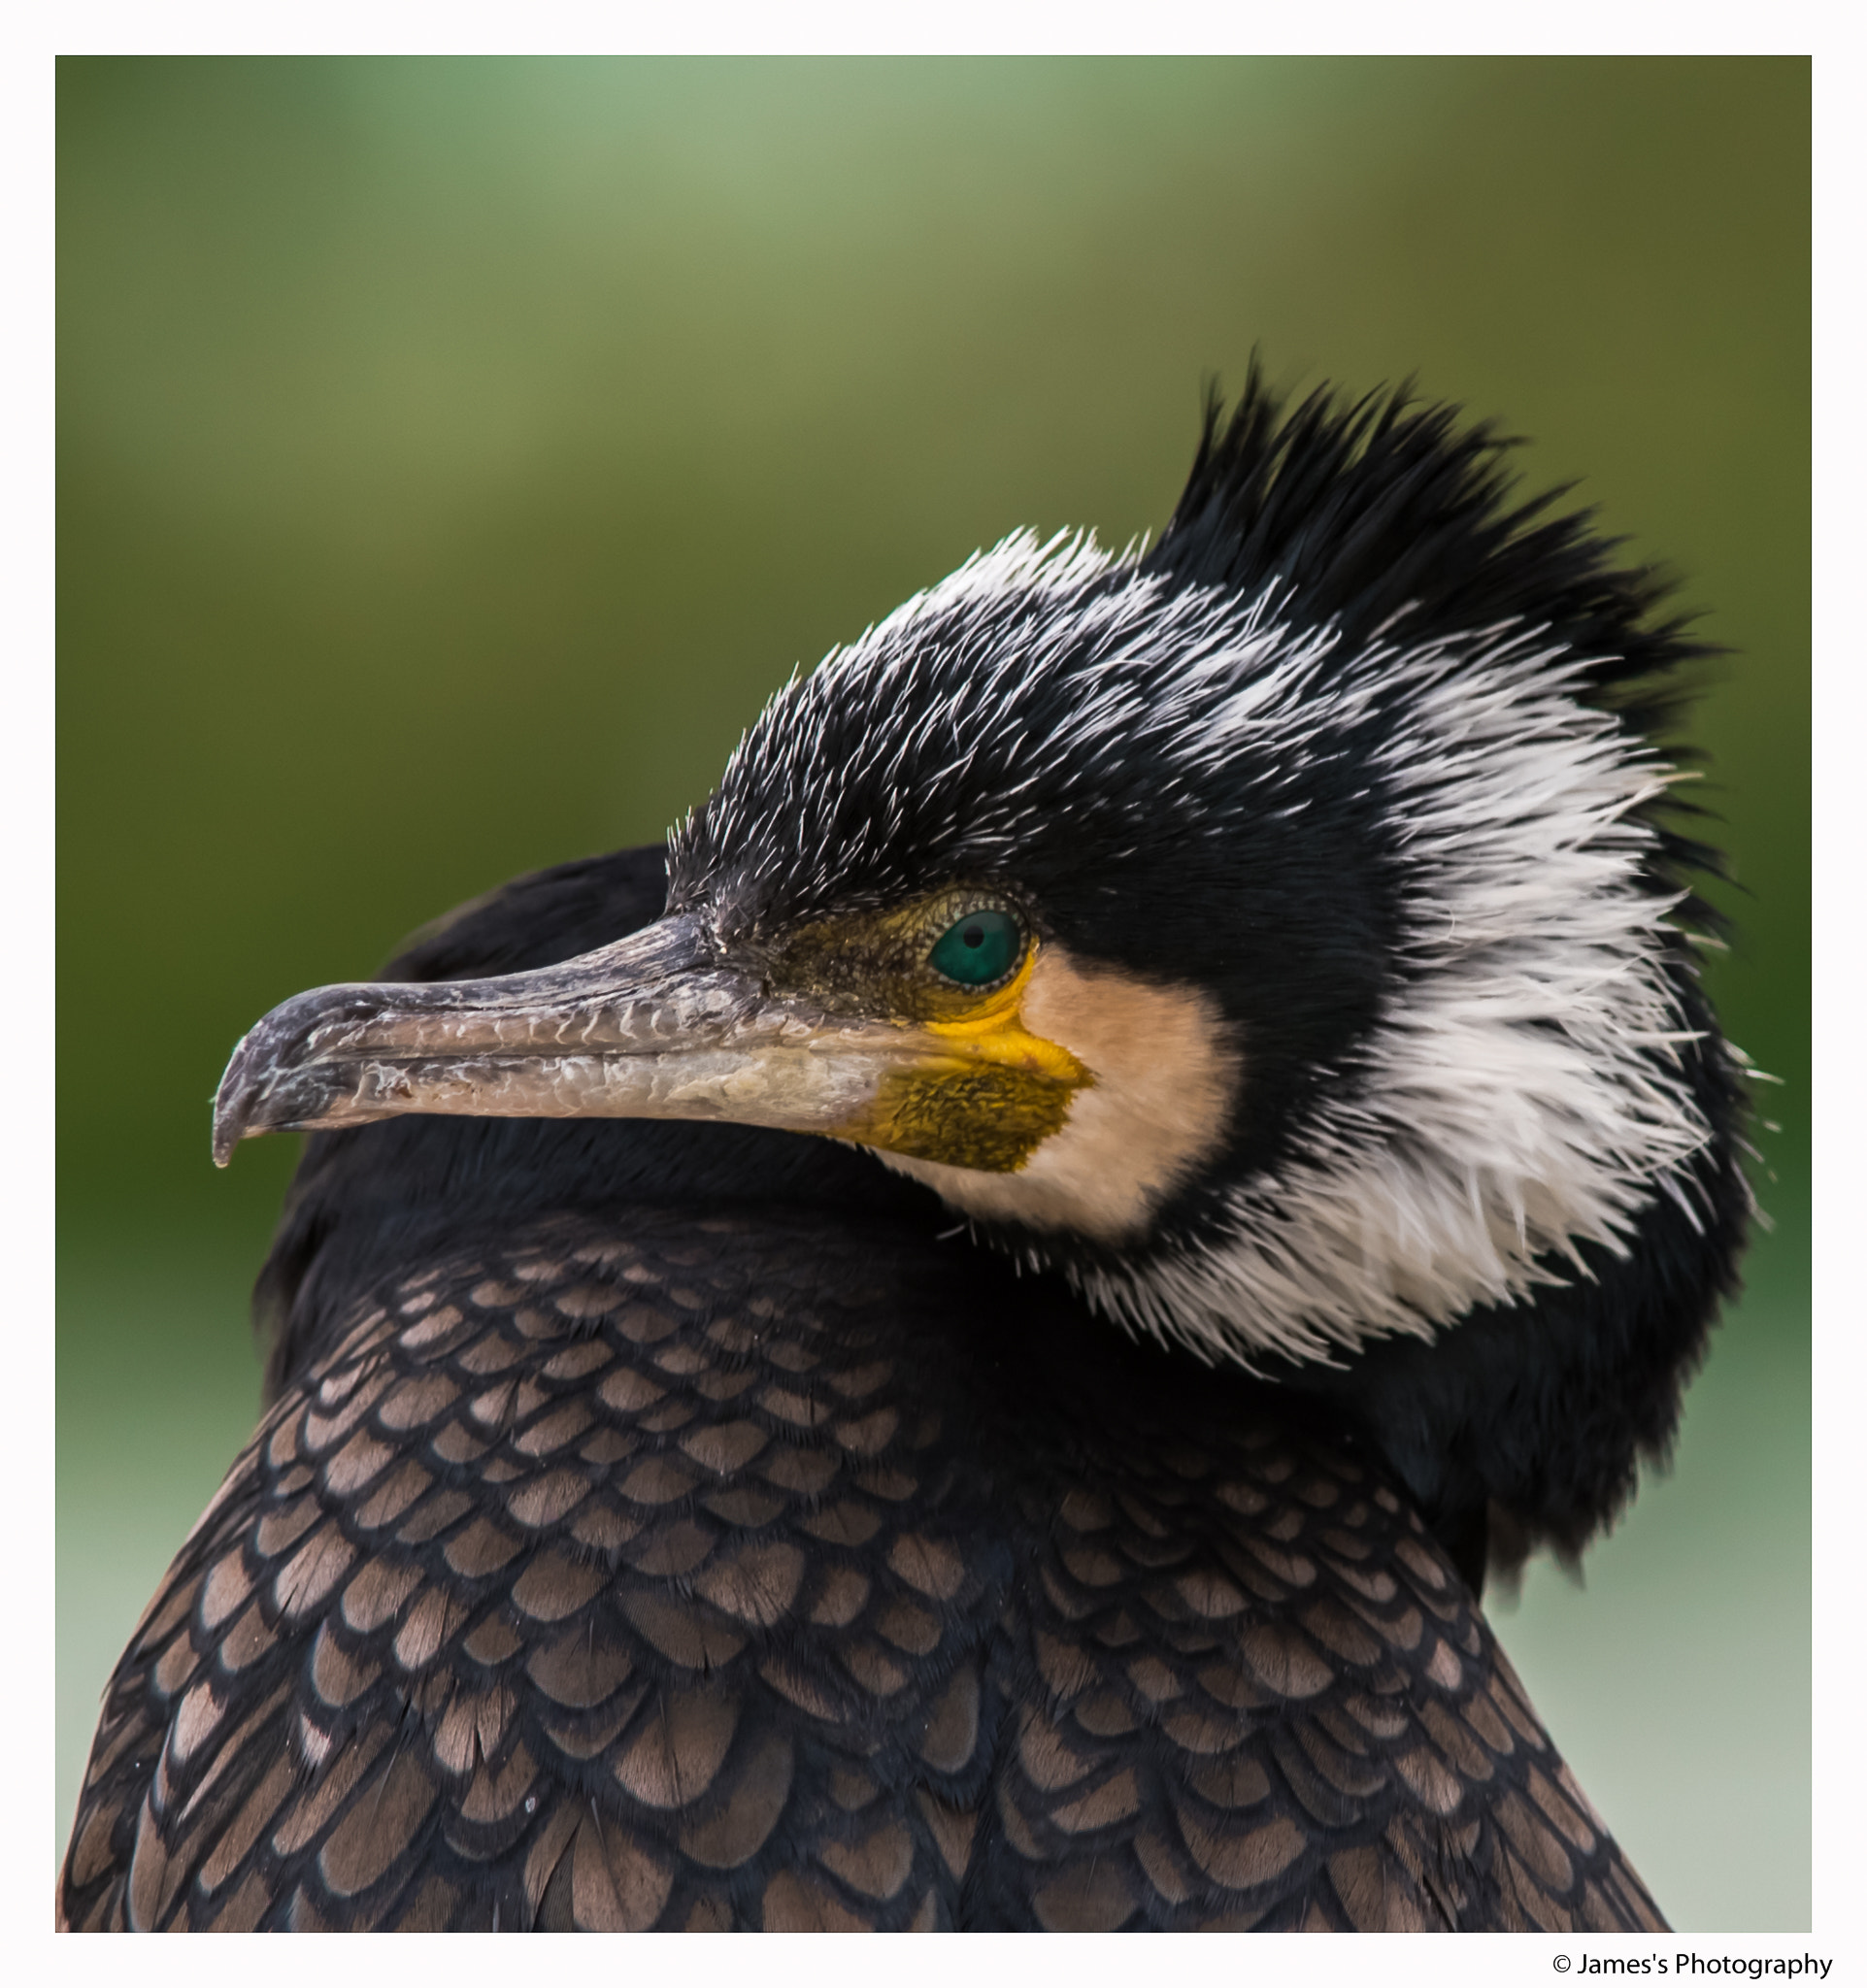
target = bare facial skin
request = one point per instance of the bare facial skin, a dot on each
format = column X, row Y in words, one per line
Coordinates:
column 1163, row 1079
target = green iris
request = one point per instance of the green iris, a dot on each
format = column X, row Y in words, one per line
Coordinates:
column 982, row 947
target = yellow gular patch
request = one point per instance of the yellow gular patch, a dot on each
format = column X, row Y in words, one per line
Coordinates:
column 1096, row 1152
column 984, row 1096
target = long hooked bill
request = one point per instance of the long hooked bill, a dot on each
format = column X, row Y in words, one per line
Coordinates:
column 653, row 1026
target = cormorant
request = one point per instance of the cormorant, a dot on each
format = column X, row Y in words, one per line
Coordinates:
column 1279, row 1157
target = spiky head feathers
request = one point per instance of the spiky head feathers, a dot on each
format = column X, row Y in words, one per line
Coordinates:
column 1359, row 753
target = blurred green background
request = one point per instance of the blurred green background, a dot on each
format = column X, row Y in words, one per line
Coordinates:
column 453, row 454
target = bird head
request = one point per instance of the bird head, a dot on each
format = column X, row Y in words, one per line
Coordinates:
column 1281, row 933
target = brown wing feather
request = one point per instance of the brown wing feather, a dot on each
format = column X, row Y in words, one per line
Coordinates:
column 670, row 1582
column 1263, row 1697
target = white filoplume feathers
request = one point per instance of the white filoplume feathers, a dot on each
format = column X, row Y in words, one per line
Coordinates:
column 1521, row 1092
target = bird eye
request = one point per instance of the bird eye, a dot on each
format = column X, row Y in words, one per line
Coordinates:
column 981, row 947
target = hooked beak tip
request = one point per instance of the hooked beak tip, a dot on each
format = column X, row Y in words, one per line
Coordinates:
column 231, row 1103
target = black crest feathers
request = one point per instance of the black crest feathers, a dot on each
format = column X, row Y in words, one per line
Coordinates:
column 1390, row 515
